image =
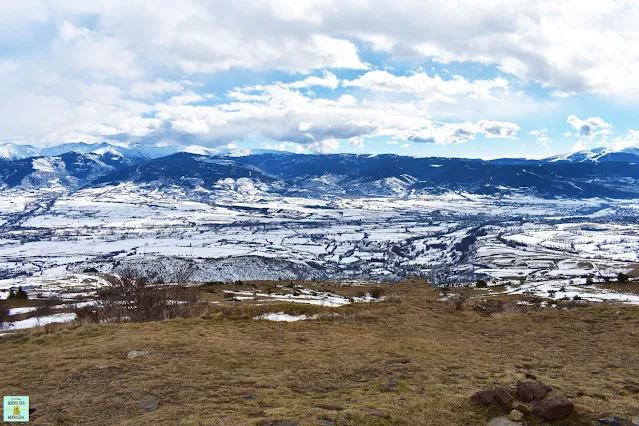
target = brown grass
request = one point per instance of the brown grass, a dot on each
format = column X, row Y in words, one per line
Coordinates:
column 204, row 370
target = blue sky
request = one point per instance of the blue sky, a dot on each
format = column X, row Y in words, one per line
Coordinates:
column 515, row 78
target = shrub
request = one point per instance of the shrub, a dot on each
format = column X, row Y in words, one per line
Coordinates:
column 377, row 292
column 622, row 278
column 589, row 281
column 481, row 284
column 456, row 301
column 576, row 297
column 489, row 307
column 46, row 308
column 17, row 295
column 130, row 297
column 229, row 297
column 4, row 316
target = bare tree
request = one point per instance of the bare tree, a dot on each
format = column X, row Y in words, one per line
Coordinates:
column 130, row 297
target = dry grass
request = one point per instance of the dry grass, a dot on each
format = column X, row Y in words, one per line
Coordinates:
column 631, row 287
column 203, row 369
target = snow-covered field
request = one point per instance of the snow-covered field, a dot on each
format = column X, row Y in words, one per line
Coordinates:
column 52, row 242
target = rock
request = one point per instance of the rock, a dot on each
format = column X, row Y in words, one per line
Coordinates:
column 404, row 360
column 516, row 416
column 376, row 413
column 249, row 398
column 149, row 403
column 325, row 422
column 610, row 421
column 504, row 397
column 390, row 385
column 532, row 391
column 103, row 366
column 485, row 397
column 530, row 376
column 502, row 421
column 553, row 408
column 136, row 354
column 618, row 421
column 521, row 407
column 269, row 422
column 493, row 396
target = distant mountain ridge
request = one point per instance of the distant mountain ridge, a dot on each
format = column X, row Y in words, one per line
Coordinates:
column 597, row 173
column 142, row 153
column 136, row 152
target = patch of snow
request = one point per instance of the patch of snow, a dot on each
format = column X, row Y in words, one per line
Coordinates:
column 38, row 321
column 282, row 317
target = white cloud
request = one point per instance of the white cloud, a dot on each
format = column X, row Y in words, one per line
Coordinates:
column 212, row 51
column 567, row 134
column 427, row 87
column 563, row 95
column 149, row 89
column 324, row 146
column 79, row 49
column 564, row 45
column 535, row 133
column 329, row 80
column 346, row 100
column 544, row 140
column 498, row 129
column 582, row 145
column 357, row 142
column 285, row 146
column 590, row 127
column 630, row 140
column 186, row 98
column 462, row 132
column 391, row 142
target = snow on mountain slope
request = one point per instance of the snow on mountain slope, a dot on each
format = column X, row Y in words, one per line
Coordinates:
column 10, row 151
column 597, row 155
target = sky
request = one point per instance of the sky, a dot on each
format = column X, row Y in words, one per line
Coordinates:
column 481, row 78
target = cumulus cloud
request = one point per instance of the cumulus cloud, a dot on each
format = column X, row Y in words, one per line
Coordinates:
column 536, row 40
column 356, row 142
column 143, row 70
column 582, row 145
column 424, row 85
column 630, row 140
column 329, row 80
column 590, row 127
column 324, row 146
column 560, row 94
column 463, row 132
column 498, row 129
column 544, row 140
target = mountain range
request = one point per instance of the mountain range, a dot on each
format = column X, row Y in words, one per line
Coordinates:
column 585, row 174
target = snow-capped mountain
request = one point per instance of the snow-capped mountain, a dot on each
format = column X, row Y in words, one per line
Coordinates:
column 597, row 173
column 184, row 169
column 67, row 171
column 11, row 151
column 137, row 152
column 597, row 155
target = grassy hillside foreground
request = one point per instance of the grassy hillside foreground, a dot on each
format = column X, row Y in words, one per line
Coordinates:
column 412, row 358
